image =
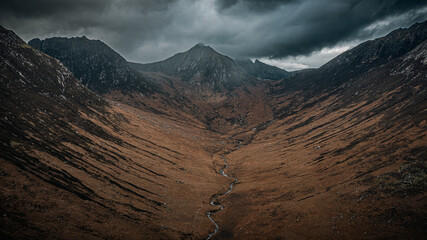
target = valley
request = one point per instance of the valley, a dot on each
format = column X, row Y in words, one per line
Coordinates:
column 195, row 147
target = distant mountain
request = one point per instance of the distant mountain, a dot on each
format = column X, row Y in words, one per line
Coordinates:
column 261, row 70
column 201, row 65
column 99, row 67
column 353, row 132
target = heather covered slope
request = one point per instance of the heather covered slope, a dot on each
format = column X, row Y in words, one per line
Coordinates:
column 74, row 166
column 346, row 163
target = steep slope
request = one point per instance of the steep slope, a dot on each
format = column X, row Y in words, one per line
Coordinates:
column 201, row 65
column 347, row 162
column 360, row 59
column 76, row 166
column 261, row 70
column 99, row 67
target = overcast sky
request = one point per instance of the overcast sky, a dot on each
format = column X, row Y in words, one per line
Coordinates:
column 292, row 34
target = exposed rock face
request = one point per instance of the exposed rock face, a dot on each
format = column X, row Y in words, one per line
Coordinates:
column 379, row 51
column 99, row 67
column 201, row 65
column 261, row 70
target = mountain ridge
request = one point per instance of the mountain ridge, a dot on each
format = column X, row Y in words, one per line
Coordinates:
column 261, row 70
column 97, row 65
column 367, row 55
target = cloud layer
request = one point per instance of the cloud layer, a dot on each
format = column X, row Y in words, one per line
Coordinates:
column 151, row 30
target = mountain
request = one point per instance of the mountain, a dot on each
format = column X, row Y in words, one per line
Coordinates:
column 99, row 67
column 345, row 156
column 201, row 65
column 199, row 81
column 261, row 70
column 210, row 86
column 29, row 75
column 362, row 58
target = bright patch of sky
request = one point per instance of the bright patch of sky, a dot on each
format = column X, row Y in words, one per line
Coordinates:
column 314, row 60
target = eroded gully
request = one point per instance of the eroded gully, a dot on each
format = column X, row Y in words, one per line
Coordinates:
column 214, row 200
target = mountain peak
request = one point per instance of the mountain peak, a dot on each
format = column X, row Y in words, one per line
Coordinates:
column 201, row 64
column 201, row 48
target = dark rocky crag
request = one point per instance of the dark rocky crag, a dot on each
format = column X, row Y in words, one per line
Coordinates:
column 99, row 67
column 261, row 70
column 201, row 65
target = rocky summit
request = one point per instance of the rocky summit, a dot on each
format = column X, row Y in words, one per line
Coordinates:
column 98, row 66
column 261, row 70
column 202, row 65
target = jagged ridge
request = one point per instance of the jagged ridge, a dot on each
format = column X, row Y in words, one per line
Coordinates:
column 99, row 67
column 261, row 70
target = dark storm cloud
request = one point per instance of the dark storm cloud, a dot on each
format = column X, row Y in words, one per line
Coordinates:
column 301, row 27
column 150, row 30
column 253, row 5
column 43, row 8
column 46, row 8
column 122, row 23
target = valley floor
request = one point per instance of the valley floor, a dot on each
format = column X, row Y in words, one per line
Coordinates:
column 323, row 174
column 145, row 176
column 329, row 175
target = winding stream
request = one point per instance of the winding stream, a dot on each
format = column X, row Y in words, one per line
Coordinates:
column 213, row 202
